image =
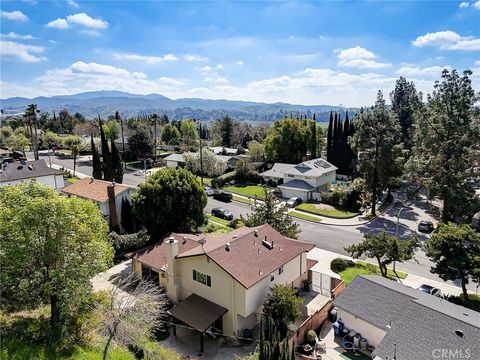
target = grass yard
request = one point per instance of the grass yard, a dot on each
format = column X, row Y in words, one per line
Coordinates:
column 364, row 268
column 334, row 212
column 206, row 181
column 72, row 180
column 304, row 216
column 218, row 220
column 241, row 199
column 247, row 190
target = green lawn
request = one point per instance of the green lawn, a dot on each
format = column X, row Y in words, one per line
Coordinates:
column 304, row 216
column 72, row 180
column 247, row 190
column 364, row 268
column 336, row 212
column 218, row 220
column 241, row 199
column 206, row 180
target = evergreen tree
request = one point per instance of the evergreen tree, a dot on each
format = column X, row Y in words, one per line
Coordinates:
column 127, row 217
column 96, row 162
column 329, row 138
column 107, row 167
column 116, row 163
column 312, row 144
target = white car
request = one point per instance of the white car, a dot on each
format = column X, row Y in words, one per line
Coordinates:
column 208, row 190
column 139, row 173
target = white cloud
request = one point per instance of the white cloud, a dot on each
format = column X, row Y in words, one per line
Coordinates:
column 146, row 59
column 216, row 79
column 219, row 67
column 434, row 71
column 92, row 33
column 14, row 15
column 476, row 4
column 240, row 62
column 15, row 36
column 359, row 57
column 58, row 24
column 72, row 3
column 448, row 40
column 11, row 50
column 195, row 58
column 78, row 19
column 463, row 4
column 204, row 69
column 171, row 81
column 87, row 21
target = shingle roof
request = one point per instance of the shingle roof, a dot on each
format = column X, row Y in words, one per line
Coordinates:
column 277, row 170
column 297, row 184
column 419, row 323
column 315, row 167
column 19, row 170
column 175, row 157
column 247, row 260
column 93, row 189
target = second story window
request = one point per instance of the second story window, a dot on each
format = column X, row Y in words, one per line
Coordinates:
column 202, row 278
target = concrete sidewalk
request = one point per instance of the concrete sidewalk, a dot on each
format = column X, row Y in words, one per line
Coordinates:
column 77, row 174
column 447, row 289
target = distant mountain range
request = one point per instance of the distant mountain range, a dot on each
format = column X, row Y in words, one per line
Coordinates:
column 105, row 103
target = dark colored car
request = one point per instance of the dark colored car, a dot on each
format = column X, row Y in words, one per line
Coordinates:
column 222, row 195
column 294, row 201
column 222, row 213
column 425, row 226
column 430, row 290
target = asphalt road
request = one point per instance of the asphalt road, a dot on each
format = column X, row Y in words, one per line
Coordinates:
column 401, row 219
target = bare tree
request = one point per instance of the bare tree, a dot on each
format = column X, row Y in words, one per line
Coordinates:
column 137, row 308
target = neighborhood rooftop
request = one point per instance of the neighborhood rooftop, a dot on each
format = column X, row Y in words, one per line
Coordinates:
column 314, row 167
column 247, row 254
column 20, row 170
column 415, row 322
column 93, row 189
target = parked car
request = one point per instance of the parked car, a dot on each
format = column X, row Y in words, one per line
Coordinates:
column 430, row 290
column 18, row 155
column 7, row 160
column 222, row 195
column 139, row 173
column 425, row 226
column 208, row 190
column 59, row 153
column 294, row 201
column 222, row 213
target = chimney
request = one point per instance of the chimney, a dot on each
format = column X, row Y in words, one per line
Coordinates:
column 112, row 206
column 173, row 286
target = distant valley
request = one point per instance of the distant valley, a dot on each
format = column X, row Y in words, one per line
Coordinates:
column 105, row 103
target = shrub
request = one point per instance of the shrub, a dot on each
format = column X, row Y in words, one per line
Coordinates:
column 352, row 200
column 339, row 264
column 310, row 336
column 473, row 301
column 220, row 181
column 235, row 224
column 334, row 198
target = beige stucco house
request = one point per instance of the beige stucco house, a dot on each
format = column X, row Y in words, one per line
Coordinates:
column 222, row 280
column 305, row 180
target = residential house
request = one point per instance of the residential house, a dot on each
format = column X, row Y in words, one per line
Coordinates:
column 25, row 171
column 404, row 323
column 4, row 153
column 305, row 180
column 107, row 195
column 222, row 280
column 177, row 160
column 220, row 150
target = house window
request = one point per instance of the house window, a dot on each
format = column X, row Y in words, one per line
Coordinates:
column 272, row 277
column 280, row 270
column 202, row 278
column 290, row 175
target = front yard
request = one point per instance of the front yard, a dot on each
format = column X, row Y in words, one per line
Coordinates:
column 326, row 210
column 364, row 268
column 304, row 216
column 247, row 190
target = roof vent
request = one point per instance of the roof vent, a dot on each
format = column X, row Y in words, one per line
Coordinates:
column 255, row 232
column 30, row 167
column 19, row 167
column 459, row 332
column 235, row 236
column 227, row 247
column 171, row 240
column 184, row 241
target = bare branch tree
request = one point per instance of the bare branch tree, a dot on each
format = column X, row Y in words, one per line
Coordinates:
column 137, row 308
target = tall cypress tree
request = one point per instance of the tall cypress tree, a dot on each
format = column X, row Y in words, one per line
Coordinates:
column 116, row 162
column 96, row 162
column 335, row 140
column 106, row 155
column 329, row 137
column 313, row 139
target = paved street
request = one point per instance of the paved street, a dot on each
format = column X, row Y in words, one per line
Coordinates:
column 330, row 237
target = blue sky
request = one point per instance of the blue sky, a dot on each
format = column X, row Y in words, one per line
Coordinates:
column 298, row 52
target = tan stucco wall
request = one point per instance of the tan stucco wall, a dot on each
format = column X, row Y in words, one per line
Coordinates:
column 372, row 333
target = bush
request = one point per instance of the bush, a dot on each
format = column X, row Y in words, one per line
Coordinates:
column 310, row 336
column 334, row 198
column 352, row 200
column 220, row 181
column 472, row 303
column 339, row 264
column 235, row 224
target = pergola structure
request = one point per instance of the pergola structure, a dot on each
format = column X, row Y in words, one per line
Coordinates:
column 198, row 313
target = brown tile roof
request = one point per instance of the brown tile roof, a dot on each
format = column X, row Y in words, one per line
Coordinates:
column 93, row 189
column 247, row 260
column 310, row 263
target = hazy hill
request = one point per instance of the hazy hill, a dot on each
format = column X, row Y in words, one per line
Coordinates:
column 105, row 103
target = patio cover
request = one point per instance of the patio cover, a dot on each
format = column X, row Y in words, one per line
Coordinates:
column 197, row 312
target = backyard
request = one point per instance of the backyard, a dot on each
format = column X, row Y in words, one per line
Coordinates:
column 364, row 268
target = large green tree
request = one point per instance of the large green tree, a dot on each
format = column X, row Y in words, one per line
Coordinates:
column 96, row 161
column 51, row 247
column 455, row 251
column 170, row 135
column 189, row 132
column 376, row 140
column 405, row 102
column 447, row 144
column 226, row 131
column 287, row 141
column 170, row 200
column 140, row 141
column 384, row 248
column 282, row 306
column 270, row 211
